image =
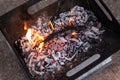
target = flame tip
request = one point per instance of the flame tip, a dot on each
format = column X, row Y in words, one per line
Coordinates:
column 51, row 25
column 25, row 25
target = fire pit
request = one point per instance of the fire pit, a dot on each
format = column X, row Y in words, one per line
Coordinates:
column 54, row 41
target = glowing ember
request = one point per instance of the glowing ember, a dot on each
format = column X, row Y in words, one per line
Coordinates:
column 51, row 25
column 73, row 33
column 37, row 36
column 34, row 37
column 29, row 36
column 70, row 21
column 41, row 46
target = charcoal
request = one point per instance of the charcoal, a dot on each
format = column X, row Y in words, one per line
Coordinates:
column 63, row 47
column 86, row 46
column 63, row 39
column 39, row 23
column 56, row 56
column 62, row 63
column 96, row 30
column 25, row 54
column 48, row 61
column 91, row 15
column 64, row 14
column 91, row 35
column 37, row 68
column 80, row 43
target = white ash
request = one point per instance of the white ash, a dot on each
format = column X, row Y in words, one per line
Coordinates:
column 77, row 16
column 63, row 48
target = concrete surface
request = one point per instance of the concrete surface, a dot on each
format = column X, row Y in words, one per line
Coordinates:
column 10, row 70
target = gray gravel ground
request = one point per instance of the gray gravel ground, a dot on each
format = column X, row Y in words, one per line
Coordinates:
column 10, row 70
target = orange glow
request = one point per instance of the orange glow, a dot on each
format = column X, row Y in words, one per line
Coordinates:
column 51, row 25
column 34, row 37
column 41, row 46
column 74, row 33
column 39, row 37
column 29, row 36
column 25, row 25
column 70, row 21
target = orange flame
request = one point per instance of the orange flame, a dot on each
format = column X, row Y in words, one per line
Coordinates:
column 25, row 25
column 41, row 46
column 34, row 37
column 39, row 37
column 51, row 25
column 29, row 36
column 73, row 33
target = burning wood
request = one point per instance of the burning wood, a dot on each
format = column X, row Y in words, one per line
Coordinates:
column 43, row 57
column 25, row 25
